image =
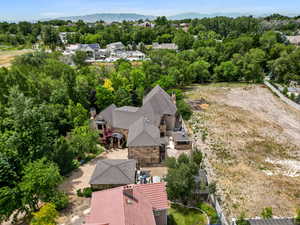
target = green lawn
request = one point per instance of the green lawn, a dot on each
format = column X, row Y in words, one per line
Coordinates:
column 183, row 216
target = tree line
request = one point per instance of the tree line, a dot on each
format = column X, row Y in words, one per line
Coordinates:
column 44, row 103
column 25, row 33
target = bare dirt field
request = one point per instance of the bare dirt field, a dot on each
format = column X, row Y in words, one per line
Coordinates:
column 7, row 56
column 251, row 140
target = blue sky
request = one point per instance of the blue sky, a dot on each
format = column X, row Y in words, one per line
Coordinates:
column 36, row 9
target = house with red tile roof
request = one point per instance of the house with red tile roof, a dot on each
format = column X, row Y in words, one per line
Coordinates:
column 137, row 204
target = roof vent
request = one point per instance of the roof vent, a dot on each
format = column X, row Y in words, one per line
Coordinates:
column 129, row 202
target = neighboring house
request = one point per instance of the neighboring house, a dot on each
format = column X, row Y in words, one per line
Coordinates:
column 143, row 204
column 168, row 46
column 294, row 90
column 64, row 36
column 112, row 53
column 185, row 26
column 116, row 46
column 129, row 55
column 135, row 55
column 90, row 49
column 295, row 40
column 147, row 130
column 147, row 24
column 111, row 173
column 273, row 221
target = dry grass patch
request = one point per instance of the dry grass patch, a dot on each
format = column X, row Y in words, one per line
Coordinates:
column 6, row 57
column 244, row 126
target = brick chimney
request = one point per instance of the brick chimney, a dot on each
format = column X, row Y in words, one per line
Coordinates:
column 93, row 113
column 128, row 192
column 173, row 97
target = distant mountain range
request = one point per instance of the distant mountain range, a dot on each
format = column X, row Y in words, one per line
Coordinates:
column 108, row 17
column 111, row 17
column 193, row 15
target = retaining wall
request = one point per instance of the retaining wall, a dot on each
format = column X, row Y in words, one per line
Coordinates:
column 282, row 97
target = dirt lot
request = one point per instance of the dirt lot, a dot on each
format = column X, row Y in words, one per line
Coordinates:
column 252, row 144
column 6, row 57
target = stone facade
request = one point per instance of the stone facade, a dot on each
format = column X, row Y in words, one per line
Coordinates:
column 170, row 122
column 122, row 131
column 145, row 155
column 163, row 130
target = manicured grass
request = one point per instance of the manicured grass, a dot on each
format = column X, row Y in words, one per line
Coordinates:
column 182, row 216
column 210, row 211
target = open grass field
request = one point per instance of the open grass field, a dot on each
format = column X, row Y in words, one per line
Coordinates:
column 251, row 140
column 7, row 56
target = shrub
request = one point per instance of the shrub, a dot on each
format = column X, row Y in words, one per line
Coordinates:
column 183, row 159
column 46, row 216
column 197, row 156
column 79, row 193
column 267, row 213
column 212, row 188
column 87, row 192
column 285, row 91
column 241, row 220
column 292, row 97
column 171, row 162
column 297, row 218
column 184, row 109
column 298, row 99
column 60, row 200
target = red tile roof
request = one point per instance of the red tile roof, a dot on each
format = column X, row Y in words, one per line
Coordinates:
column 107, row 207
column 127, row 205
column 156, row 193
column 138, row 210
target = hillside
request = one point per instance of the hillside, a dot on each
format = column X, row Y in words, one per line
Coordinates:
column 117, row 17
column 194, row 15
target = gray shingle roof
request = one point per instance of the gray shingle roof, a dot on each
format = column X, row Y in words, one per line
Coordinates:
column 180, row 136
column 143, row 133
column 94, row 47
column 170, row 46
column 160, row 102
column 279, row 221
column 114, row 171
column 125, row 116
column 107, row 114
column 116, row 45
column 152, row 113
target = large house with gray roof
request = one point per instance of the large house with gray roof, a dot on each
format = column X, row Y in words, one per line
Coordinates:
column 145, row 130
